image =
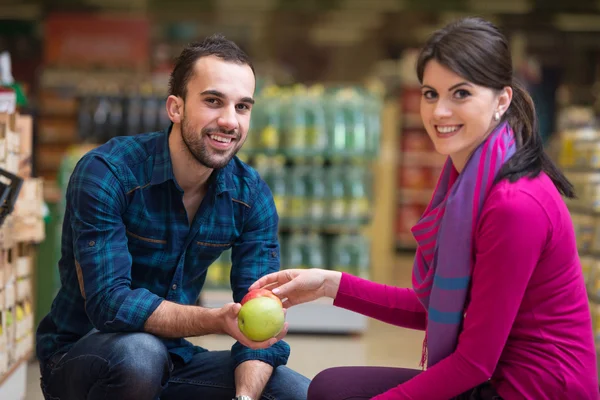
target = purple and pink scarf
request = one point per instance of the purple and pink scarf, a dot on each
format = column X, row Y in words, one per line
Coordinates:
column 445, row 233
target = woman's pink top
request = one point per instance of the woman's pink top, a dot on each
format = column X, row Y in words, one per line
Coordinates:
column 528, row 324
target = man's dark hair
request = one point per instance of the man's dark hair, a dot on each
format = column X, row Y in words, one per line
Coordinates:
column 214, row 45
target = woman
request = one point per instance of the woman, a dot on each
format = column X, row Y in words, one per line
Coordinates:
column 497, row 283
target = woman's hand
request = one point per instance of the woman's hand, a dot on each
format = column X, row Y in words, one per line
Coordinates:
column 300, row 285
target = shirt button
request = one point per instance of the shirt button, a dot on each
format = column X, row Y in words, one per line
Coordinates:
column 274, row 254
column 174, row 286
column 91, row 243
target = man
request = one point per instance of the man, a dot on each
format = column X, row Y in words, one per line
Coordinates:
column 145, row 217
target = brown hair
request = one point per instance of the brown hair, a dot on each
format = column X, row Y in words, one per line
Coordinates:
column 215, row 45
column 476, row 50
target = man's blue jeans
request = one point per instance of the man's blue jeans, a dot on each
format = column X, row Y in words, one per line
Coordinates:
column 128, row 366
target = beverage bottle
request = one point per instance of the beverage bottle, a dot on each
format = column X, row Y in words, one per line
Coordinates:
column 336, row 195
column 340, row 257
column 313, row 251
column 336, row 126
column 357, row 196
column 358, row 247
column 317, row 194
column 316, row 130
column 356, row 125
column 298, row 196
column 295, row 256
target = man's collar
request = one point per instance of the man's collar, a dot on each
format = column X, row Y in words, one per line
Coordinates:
column 163, row 167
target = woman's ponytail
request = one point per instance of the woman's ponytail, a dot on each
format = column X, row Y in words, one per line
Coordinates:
column 521, row 114
column 530, row 158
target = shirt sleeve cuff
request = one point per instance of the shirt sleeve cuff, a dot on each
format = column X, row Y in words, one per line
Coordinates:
column 275, row 355
column 136, row 308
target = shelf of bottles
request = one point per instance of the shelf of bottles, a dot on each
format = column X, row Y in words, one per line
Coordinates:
column 313, row 146
column 579, row 158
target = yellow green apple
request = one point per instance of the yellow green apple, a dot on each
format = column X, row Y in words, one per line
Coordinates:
column 261, row 318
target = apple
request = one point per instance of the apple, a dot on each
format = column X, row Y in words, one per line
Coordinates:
column 260, row 293
column 261, row 318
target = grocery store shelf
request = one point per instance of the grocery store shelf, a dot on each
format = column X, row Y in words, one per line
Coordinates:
column 334, row 228
column 319, row 316
column 324, row 155
column 8, row 380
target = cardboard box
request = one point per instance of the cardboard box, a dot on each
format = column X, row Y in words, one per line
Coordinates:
column 23, row 289
column 10, row 293
column 31, row 199
column 29, row 229
column 6, row 233
column 3, row 343
column 9, row 131
column 23, row 262
column 24, row 319
column 10, row 329
column 25, row 129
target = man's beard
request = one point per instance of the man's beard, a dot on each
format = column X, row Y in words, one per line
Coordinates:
column 209, row 157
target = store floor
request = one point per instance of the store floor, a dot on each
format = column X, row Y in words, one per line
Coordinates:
column 381, row 344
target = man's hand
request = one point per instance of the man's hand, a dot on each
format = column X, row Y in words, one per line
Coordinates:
column 251, row 378
column 229, row 320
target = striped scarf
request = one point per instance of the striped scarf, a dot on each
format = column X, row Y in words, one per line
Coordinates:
column 445, row 233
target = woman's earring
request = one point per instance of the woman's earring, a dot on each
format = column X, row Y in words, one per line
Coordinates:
column 496, row 116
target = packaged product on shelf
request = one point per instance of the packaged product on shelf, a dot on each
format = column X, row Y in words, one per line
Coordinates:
column 350, row 253
column 269, row 121
column 585, row 231
column 336, row 126
column 3, row 342
column 340, row 257
column 297, row 202
column 589, row 267
column 25, row 129
column 9, row 312
column 294, row 127
column 373, row 123
column 313, row 251
column 594, row 157
column 358, row 197
column 358, row 247
column 317, row 194
column 357, row 132
column 595, row 247
column 293, row 251
column 316, row 132
column 278, row 186
column 336, row 195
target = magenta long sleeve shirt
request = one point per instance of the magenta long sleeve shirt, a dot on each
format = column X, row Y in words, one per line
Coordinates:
column 528, row 325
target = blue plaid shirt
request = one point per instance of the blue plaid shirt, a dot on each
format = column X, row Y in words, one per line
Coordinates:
column 127, row 244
